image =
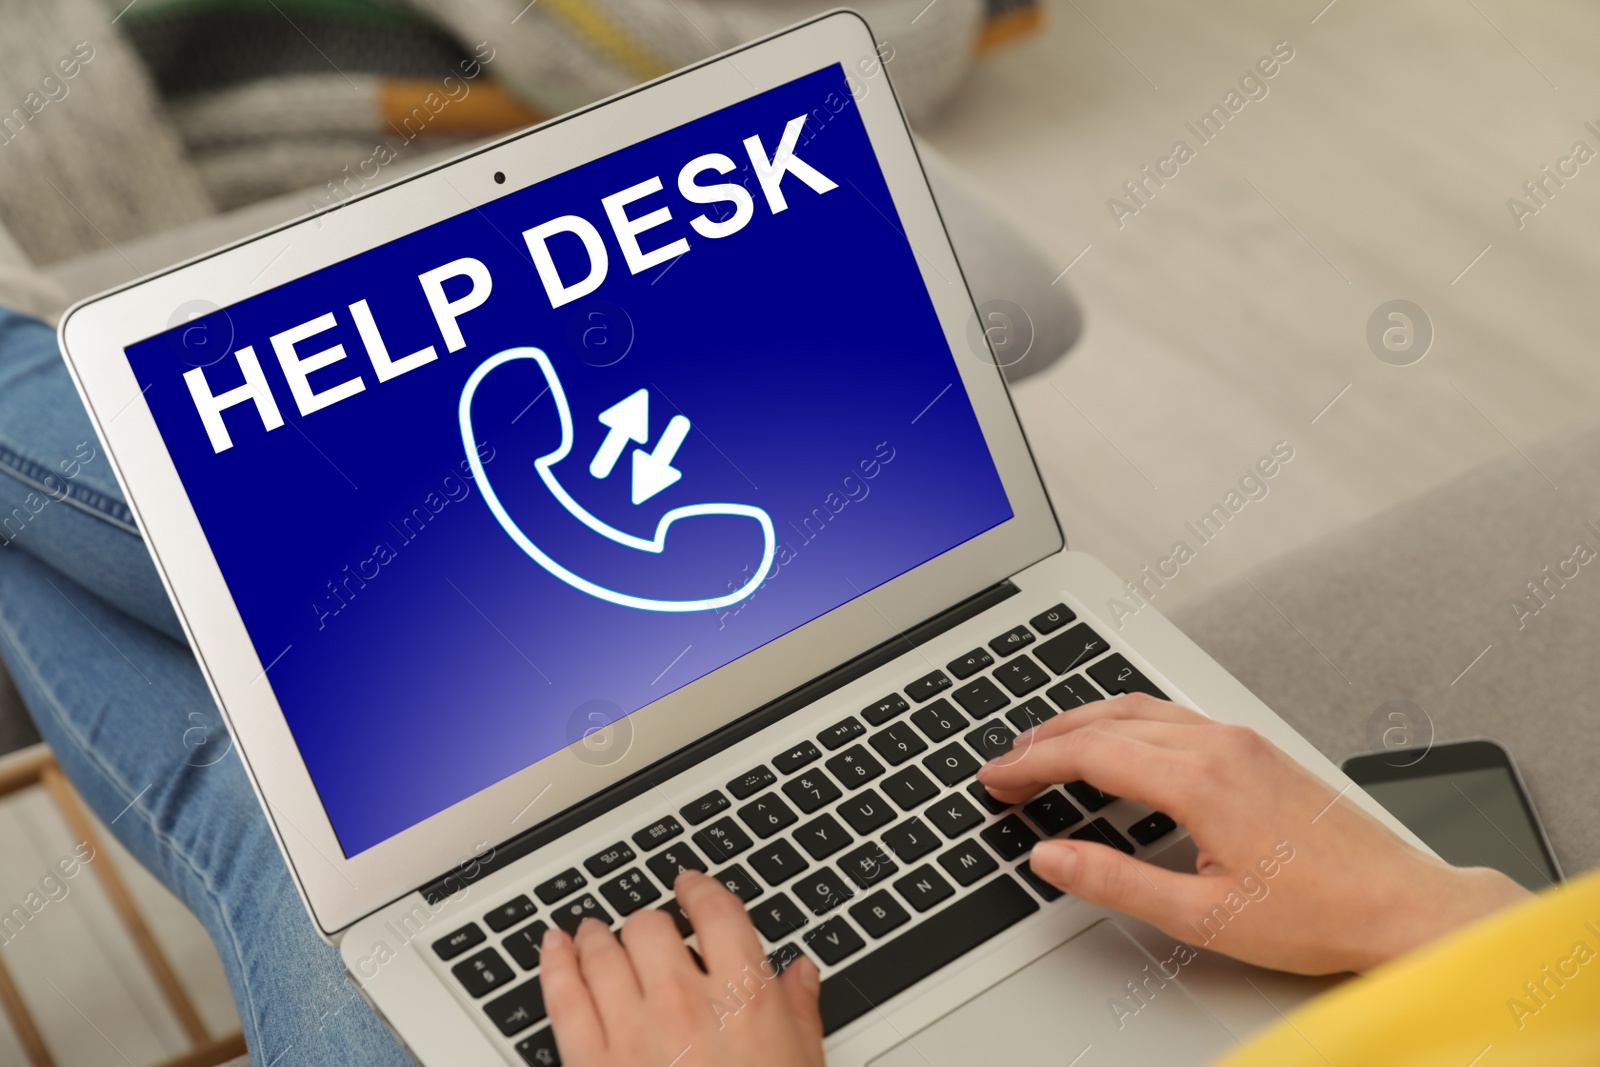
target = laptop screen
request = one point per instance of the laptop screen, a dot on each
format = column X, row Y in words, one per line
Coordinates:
column 483, row 489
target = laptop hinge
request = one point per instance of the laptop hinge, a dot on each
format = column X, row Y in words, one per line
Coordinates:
column 697, row 752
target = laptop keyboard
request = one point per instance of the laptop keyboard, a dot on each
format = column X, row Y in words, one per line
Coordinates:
column 870, row 848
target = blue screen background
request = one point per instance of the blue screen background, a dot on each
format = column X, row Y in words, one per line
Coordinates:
column 418, row 655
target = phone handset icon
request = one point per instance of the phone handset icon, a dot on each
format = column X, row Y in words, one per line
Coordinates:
column 652, row 472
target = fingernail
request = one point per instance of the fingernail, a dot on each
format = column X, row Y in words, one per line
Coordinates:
column 687, row 872
column 984, row 773
column 809, row 976
column 554, row 937
column 1056, row 860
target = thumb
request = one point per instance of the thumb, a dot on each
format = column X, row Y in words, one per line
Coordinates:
column 1102, row 875
column 801, row 984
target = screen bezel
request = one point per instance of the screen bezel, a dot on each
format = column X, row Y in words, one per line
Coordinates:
column 339, row 890
column 1443, row 760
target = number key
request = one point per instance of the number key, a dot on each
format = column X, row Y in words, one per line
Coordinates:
column 897, row 743
column 855, row 767
column 811, row 790
column 767, row 814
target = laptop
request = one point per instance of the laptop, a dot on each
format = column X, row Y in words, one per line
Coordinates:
column 640, row 493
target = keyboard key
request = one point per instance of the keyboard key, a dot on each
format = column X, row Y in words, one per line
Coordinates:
column 920, row 951
column 980, row 698
column 928, row 686
column 540, row 1049
column 923, row 888
column 1052, row 619
column 777, row 862
column 574, row 911
column 454, row 944
column 939, row 720
column 1021, row 675
column 909, row 788
column 524, row 945
column 1116, row 676
column 509, row 914
column 991, row 740
column 821, row 891
column 954, row 815
column 567, row 882
column 1103, row 832
column 811, row 790
column 1073, row 692
column 1010, row 838
column 630, row 891
column 1072, row 649
column 951, row 764
column 751, row 782
column 483, row 972
column 1013, row 640
column 898, row 743
column 841, row 733
column 1052, row 812
column 865, row 812
column 855, row 767
column 722, row 840
column 679, row 919
column 517, row 1010
column 698, row 811
column 881, row 712
column 604, row 863
column 822, row 836
column 968, row 862
column 880, row 914
column 777, row 917
column 867, row 865
column 798, row 756
column 1030, row 713
column 834, row 940
column 767, row 815
column 964, row 667
column 739, row 883
column 784, row 955
column 1152, row 828
column 1040, row 886
column 986, row 800
column 911, row 840
column 657, row 833
column 1087, row 795
column 672, row 861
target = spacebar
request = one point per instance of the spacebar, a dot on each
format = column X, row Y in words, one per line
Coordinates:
column 920, row 951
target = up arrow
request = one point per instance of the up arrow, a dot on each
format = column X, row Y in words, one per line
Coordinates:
column 653, row 471
column 627, row 419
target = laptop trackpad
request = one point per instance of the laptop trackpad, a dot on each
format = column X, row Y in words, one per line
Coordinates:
column 1097, row 999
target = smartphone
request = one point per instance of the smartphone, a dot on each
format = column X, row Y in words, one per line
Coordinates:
column 1467, row 801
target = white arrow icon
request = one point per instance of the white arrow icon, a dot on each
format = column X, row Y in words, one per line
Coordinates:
column 627, row 419
column 653, row 471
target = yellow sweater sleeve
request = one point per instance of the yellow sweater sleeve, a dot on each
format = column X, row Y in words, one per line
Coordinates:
column 1520, row 989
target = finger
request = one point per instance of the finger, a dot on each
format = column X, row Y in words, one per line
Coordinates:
column 728, row 941
column 579, row 1035
column 1102, row 875
column 1178, row 735
column 660, row 957
column 609, row 975
column 1110, row 756
column 801, row 984
column 1127, row 706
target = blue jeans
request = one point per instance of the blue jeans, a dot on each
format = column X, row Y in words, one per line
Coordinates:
column 96, row 651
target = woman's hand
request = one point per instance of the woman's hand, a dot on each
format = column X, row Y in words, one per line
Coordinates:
column 642, row 1001
column 1290, row 875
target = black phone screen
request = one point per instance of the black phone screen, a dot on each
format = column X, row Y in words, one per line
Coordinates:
column 1468, row 807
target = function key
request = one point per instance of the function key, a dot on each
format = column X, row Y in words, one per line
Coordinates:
column 885, row 709
column 970, row 664
column 798, row 756
column 658, row 833
column 509, row 914
column 841, row 733
column 568, row 881
column 1102, row 831
column 630, row 891
column 1152, row 828
column 1013, row 640
column 1077, row 646
column 1021, row 675
column 454, row 944
column 483, row 973
column 1117, row 676
column 671, row 862
column 698, row 811
column 928, row 686
column 524, row 945
column 609, row 860
column 751, row 782
column 570, row 914
column 1052, row 619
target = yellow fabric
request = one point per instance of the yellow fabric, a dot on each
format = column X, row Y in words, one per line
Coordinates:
column 1519, row 989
